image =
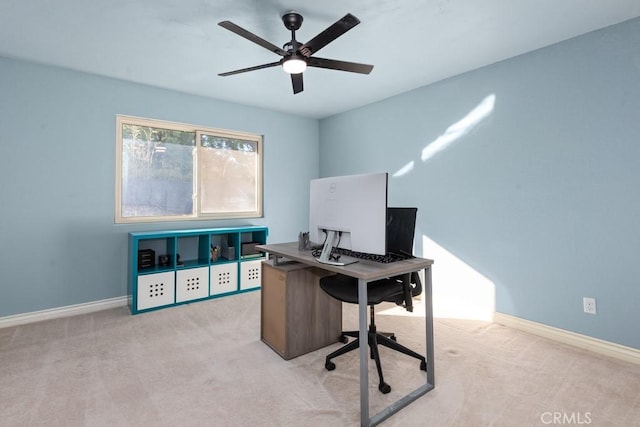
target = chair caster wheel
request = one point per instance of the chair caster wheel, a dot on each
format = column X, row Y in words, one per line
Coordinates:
column 329, row 366
column 344, row 339
column 423, row 365
column 384, row 388
column 393, row 338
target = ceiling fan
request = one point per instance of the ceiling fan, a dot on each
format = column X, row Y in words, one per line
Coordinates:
column 297, row 56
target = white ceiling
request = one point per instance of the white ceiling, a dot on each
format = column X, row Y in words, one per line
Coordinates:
column 178, row 44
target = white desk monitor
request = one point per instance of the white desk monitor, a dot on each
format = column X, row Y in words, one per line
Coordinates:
column 349, row 212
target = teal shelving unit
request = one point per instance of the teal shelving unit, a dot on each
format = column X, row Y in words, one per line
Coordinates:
column 168, row 268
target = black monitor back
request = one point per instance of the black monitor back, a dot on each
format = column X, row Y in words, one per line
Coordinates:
column 401, row 226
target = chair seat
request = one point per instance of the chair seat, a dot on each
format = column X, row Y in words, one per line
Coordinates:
column 345, row 288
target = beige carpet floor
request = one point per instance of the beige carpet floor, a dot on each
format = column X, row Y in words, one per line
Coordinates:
column 204, row 364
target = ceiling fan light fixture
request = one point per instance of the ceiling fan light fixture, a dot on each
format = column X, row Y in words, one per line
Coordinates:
column 294, row 65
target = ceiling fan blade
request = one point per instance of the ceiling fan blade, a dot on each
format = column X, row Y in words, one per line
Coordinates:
column 244, row 70
column 296, row 81
column 252, row 37
column 333, row 64
column 330, row 34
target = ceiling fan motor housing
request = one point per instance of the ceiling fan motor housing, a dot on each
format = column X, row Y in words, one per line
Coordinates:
column 292, row 21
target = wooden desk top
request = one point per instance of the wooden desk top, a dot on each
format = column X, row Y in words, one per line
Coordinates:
column 363, row 269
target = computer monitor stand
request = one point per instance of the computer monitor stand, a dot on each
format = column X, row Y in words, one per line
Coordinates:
column 325, row 257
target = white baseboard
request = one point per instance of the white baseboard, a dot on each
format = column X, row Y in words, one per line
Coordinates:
column 616, row 351
column 69, row 310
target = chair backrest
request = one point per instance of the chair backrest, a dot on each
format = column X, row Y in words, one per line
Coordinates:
column 401, row 226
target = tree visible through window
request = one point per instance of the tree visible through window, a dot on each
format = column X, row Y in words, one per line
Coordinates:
column 159, row 162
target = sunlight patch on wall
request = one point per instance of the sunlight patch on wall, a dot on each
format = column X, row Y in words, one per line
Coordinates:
column 453, row 133
column 459, row 291
column 405, row 169
column 460, row 128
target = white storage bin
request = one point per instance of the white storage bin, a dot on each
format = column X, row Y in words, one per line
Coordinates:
column 155, row 290
column 192, row 283
column 250, row 274
column 224, row 278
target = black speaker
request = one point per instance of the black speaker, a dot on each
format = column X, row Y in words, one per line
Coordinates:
column 146, row 258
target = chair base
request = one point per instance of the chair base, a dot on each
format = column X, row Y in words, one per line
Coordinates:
column 374, row 339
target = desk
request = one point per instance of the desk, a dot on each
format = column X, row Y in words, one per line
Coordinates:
column 367, row 271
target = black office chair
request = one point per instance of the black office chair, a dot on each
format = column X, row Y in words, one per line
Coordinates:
column 399, row 289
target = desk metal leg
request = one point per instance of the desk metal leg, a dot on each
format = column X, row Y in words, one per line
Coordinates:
column 364, row 352
column 428, row 318
column 423, row 389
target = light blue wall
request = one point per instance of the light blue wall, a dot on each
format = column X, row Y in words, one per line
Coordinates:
column 60, row 245
column 541, row 195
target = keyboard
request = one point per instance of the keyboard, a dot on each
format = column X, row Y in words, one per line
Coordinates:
column 385, row 259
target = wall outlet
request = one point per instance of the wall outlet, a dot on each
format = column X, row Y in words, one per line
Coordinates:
column 589, row 305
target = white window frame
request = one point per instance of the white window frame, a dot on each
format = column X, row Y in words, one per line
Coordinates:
column 197, row 165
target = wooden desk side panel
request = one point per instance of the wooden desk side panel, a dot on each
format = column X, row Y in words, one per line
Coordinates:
column 297, row 316
column 273, row 316
column 315, row 318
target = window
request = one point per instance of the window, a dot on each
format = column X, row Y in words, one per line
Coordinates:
column 173, row 171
